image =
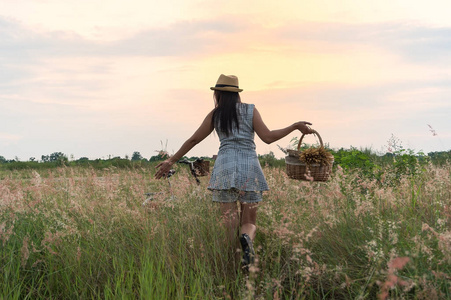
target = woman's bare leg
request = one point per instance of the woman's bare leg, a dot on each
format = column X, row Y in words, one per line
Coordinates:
column 248, row 219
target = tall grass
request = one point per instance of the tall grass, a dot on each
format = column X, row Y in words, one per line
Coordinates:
column 80, row 233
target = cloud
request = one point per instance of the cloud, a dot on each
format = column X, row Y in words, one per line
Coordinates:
column 185, row 38
column 424, row 44
column 23, row 44
column 62, row 91
column 360, row 115
column 179, row 39
column 412, row 97
column 413, row 41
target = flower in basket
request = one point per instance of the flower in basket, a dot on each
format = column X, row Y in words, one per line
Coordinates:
column 318, row 155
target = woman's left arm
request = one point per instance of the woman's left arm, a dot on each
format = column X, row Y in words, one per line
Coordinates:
column 201, row 133
column 270, row 136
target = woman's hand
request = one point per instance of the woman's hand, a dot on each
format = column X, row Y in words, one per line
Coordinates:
column 302, row 126
column 163, row 168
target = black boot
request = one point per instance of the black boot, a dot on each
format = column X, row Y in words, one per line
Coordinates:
column 248, row 251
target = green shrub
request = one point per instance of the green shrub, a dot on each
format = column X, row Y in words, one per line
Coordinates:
column 358, row 160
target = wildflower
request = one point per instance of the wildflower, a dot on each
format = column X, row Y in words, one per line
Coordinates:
column 36, row 178
column 397, row 263
column 392, row 280
column 5, row 234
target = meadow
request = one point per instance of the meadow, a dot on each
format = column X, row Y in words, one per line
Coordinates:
column 369, row 232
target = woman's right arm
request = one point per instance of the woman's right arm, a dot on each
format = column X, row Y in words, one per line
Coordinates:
column 270, row 136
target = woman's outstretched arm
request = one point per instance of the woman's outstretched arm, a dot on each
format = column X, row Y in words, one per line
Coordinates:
column 270, row 136
column 201, row 133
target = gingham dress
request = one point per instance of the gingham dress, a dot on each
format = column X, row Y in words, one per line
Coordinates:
column 237, row 164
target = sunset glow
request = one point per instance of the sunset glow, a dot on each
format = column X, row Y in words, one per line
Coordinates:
column 94, row 79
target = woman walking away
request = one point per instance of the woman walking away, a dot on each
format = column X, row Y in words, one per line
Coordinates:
column 237, row 176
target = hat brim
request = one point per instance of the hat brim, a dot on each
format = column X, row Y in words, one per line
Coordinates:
column 226, row 89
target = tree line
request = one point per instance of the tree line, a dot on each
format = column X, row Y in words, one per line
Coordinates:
column 363, row 159
column 58, row 159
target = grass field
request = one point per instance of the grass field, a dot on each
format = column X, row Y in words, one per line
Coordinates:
column 81, row 233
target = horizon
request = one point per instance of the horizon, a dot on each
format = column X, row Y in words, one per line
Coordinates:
column 398, row 148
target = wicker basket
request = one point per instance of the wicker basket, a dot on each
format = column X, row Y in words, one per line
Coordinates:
column 296, row 169
column 202, row 168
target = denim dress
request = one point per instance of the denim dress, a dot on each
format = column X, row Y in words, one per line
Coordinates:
column 237, row 165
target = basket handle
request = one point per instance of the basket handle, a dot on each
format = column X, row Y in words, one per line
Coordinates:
column 315, row 133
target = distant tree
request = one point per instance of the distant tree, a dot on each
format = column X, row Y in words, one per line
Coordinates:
column 56, row 156
column 269, row 159
column 136, row 156
column 162, row 155
column 32, row 159
column 2, row 160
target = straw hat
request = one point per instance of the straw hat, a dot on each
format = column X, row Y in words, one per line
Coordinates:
column 227, row 83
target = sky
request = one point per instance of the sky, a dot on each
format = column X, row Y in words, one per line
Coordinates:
column 100, row 79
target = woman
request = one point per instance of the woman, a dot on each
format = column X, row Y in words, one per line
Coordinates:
column 237, row 174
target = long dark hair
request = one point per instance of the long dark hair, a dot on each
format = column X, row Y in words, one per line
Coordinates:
column 225, row 115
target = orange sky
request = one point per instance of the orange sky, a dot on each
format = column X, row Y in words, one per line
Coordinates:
column 109, row 79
